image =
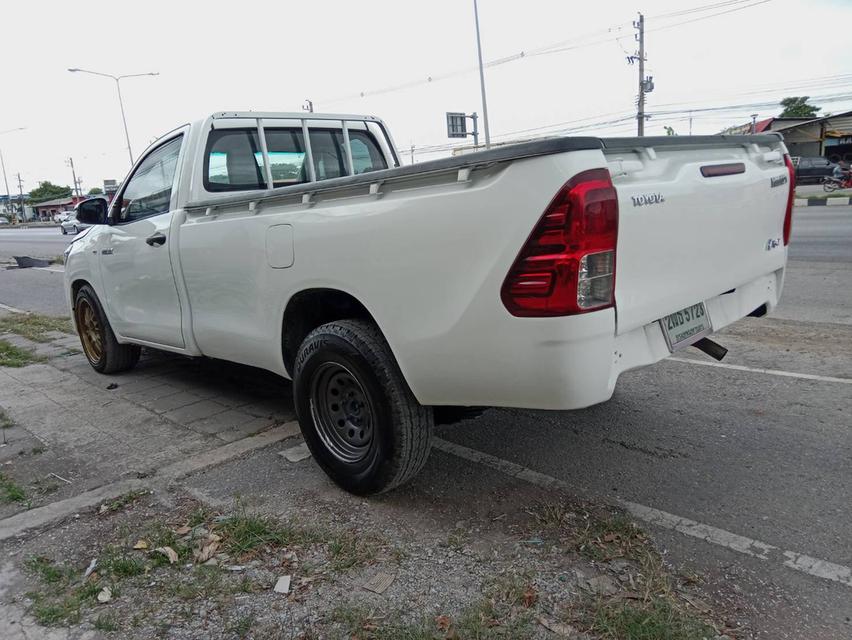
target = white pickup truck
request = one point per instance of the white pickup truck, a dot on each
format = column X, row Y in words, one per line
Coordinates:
column 530, row 275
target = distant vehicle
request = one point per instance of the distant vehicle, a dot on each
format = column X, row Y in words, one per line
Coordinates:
column 531, row 275
column 812, row 169
column 72, row 225
column 62, row 217
column 4, row 220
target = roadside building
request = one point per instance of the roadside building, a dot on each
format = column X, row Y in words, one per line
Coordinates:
column 829, row 136
column 45, row 211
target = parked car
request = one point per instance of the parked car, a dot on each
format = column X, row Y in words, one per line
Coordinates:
column 4, row 220
column 529, row 275
column 72, row 225
column 812, row 170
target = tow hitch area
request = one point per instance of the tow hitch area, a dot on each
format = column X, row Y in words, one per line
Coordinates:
column 712, row 349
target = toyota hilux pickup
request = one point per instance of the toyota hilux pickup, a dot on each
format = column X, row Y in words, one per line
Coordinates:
column 530, row 275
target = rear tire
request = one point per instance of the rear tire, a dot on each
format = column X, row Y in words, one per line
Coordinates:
column 358, row 417
column 64, row 232
column 103, row 351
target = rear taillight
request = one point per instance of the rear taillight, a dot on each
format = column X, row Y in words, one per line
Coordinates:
column 788, row 215
column 567, row 265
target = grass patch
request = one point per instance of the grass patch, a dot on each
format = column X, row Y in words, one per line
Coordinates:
column 106, row 622
column 10, row 491
column 121, row 502
column 12, row 356
column 659, row 619
column 34, row 326
column 120, row 564
column 241, row 626
column 47, row 570
column 348, row 550
column 5, row 421
column 245, row 533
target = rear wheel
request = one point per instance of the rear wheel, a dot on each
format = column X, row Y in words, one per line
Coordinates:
column 357, row 414
column 103, row 351
column 64, row 232
column 829, row 185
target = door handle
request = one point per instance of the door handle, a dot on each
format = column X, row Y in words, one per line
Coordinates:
column 158, row 239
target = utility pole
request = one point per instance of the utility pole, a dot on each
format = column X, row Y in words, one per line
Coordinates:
column 640, row 115
column 753, row 122
column 690, row 123
column 74, row 175
column 482, row 78
column 21, row 192
column 412, row 153
column 6, row 181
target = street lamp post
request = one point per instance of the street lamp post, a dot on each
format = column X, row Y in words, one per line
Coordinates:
column 120, row 101
column 481, row 78
column 3, row 165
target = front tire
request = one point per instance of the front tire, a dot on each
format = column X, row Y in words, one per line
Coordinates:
column 103, row 351
column 358, row 417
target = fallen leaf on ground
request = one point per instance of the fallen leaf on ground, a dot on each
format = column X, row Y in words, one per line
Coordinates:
column 443, row 623
column 170, row 553
column 182, row 531
column 141, row 544
column 379, row 582
column 611, row 537
column 105, row 595
column 557, row 627
column 206, row 552
column 530, row 596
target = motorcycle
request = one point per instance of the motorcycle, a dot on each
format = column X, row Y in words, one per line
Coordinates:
column 830, row 183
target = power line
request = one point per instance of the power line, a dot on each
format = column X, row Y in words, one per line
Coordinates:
column 570, row 44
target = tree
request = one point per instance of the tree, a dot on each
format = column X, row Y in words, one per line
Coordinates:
column 48, row 191
column 798, row 107
column 670, row 131
column 95, row 191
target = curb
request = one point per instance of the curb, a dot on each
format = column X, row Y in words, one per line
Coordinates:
column 840, row 201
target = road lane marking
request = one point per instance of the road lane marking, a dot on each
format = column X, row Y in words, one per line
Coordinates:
column 712, row 535
column 6, row 307
column 770, row 372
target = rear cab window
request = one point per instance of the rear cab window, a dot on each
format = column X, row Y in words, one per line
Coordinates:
column 233, row 158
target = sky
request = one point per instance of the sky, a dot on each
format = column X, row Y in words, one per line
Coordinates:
column 573, row 78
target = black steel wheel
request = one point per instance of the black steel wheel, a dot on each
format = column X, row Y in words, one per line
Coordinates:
column 358, row 416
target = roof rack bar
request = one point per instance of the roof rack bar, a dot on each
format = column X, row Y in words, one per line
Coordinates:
column 267, row 167
column 312, row 173
column 350, row 168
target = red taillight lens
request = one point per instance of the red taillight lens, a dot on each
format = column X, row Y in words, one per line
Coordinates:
column 788, row 215
column 567, row 265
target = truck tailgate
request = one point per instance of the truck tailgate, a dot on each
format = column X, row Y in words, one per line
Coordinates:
column 697, row 218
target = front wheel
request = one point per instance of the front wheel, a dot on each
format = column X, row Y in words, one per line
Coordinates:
column 103, row 351
column 829, row 185
column 358, row 417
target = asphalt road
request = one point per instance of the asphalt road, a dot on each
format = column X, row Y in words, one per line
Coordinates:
column 39, row 242
column 767, row 457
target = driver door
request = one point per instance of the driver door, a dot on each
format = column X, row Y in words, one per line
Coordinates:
column 136, row 268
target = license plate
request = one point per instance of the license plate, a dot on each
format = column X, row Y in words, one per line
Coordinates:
column 684, row 327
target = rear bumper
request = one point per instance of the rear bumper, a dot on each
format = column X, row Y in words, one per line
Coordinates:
column 568, row 363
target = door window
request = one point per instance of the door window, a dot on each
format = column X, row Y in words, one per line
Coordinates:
column 366, row 155
column 286, row 149
column 149, row 191
column 234, row 161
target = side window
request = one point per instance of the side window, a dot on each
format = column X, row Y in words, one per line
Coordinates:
column 233, row 161
column 366, row 155
column 286, row 149
column 329, row 156
column 149, row 191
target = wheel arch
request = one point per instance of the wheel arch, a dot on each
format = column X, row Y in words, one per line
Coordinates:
column 310, row 308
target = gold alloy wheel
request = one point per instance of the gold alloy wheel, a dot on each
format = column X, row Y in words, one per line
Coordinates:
column 90, row 330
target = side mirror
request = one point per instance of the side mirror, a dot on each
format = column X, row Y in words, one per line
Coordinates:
column 92, row 211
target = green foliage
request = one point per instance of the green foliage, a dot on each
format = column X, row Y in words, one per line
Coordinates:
column 34, row 326
column 12, row 356
column 658, row 620
column 10, row 491
column 670, row 131
column 798, row 107
column 48, row 191
column 95, row 191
